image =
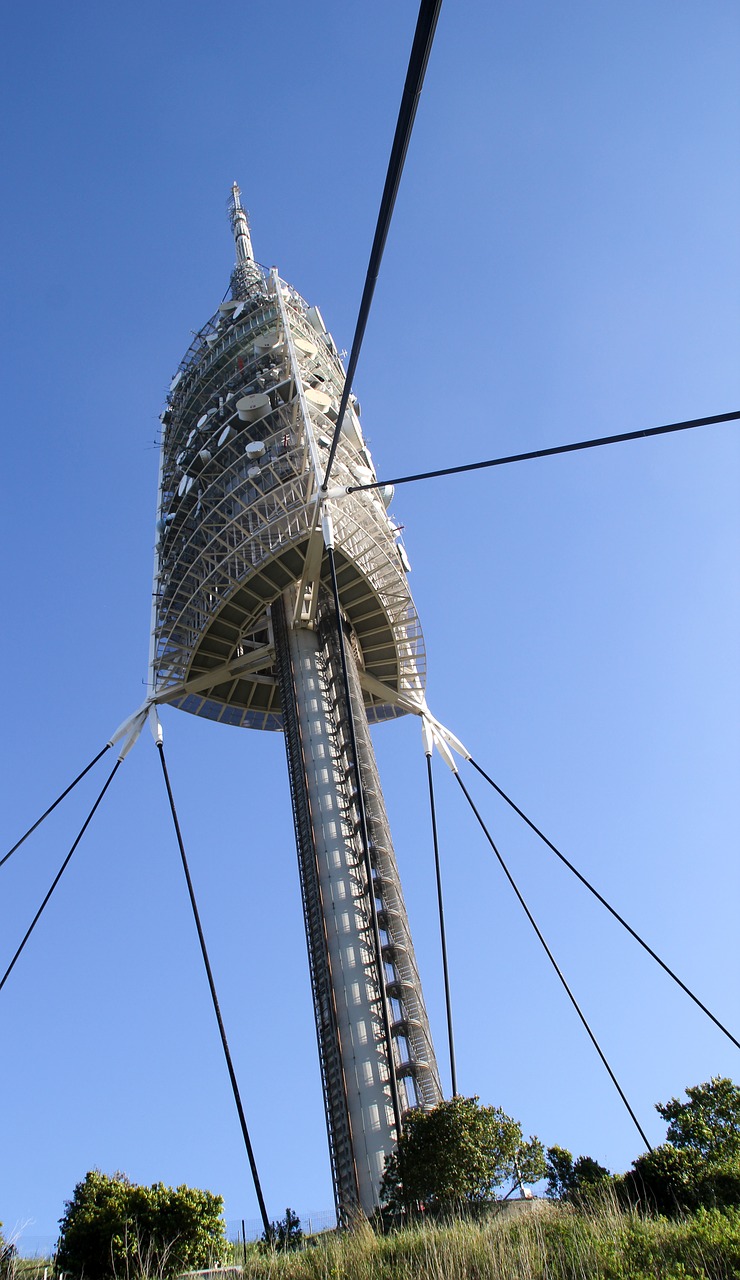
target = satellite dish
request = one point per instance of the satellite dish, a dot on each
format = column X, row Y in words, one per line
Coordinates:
column 315, row 319
column 186, row 484
column 213, row 338
column 238, row 310
column 254, row 473
column 318, row 398
column 268, row 342
column 386, row 494
column 175, row 380
column 201, row 421
column 252, row 407
column 351, row 428
column 255, row 449
column 228, row 306
column 205, row 456
column 226, row 435
column 305, row 348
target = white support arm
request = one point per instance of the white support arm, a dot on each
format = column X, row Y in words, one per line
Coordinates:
column 444, row 740
column 128, row 724
column 327, row 525
column 443, row 749
column 451, row 740
column 133, row 737
column 155, row 726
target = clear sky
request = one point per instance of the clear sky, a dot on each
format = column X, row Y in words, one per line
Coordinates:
column 563, row 263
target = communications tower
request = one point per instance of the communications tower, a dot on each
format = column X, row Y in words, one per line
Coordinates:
column 244, row 632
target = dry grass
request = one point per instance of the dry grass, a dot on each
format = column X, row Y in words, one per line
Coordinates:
column 550, row 1243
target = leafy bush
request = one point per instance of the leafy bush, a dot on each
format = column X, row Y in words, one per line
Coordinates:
column 7, row 1255
column 111, row 1227
column 699, row 1165
column 575, row 1181
column 673, row 1181
column 704, row 1245
column 663, row 1181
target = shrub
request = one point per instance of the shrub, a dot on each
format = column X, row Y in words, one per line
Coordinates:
column 7, row 1255
column 578, row 1181
column 111, row 1227
column 286, row 1234
column 671, row 1181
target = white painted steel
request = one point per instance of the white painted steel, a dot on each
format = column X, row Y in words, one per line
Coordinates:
column 348, row 929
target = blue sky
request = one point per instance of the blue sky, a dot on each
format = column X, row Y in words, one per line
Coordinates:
column 563, row 263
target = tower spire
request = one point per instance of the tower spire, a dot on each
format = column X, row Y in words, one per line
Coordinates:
column 240, row 227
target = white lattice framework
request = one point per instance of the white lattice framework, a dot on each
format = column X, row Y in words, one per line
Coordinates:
column 238, row 508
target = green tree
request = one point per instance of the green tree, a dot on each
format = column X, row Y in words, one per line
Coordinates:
column 699, row 1165
column 673, row 1180
column 575, row 1181
column 709, row 1122
column 112, row 1227
column 8, row 1253
column 458, row 1153
column 286, row 1234
column 559, row 1169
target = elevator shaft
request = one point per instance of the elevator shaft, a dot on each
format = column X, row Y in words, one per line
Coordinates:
column 355, row 1055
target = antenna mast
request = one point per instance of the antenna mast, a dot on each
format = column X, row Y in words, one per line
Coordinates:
column 240, row 227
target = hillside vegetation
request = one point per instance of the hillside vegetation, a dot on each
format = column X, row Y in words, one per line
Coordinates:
column 546, row 1242
column 675, row 1215
column 550, row 1242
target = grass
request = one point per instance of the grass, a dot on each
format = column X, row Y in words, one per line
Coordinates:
column 550, row 1243
column 28, row 1269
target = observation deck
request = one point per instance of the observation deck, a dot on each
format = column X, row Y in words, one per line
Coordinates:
column 248, row 425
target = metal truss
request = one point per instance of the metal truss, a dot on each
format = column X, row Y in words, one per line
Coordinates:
column 247, row 430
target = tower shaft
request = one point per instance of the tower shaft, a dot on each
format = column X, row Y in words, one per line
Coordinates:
column 357, row 1062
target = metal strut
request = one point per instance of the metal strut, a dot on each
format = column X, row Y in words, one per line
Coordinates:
column 554, row 964
column 53, row 806
column 214, row 998
column 441, row 910
column 61, row 870
column 612, row 910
